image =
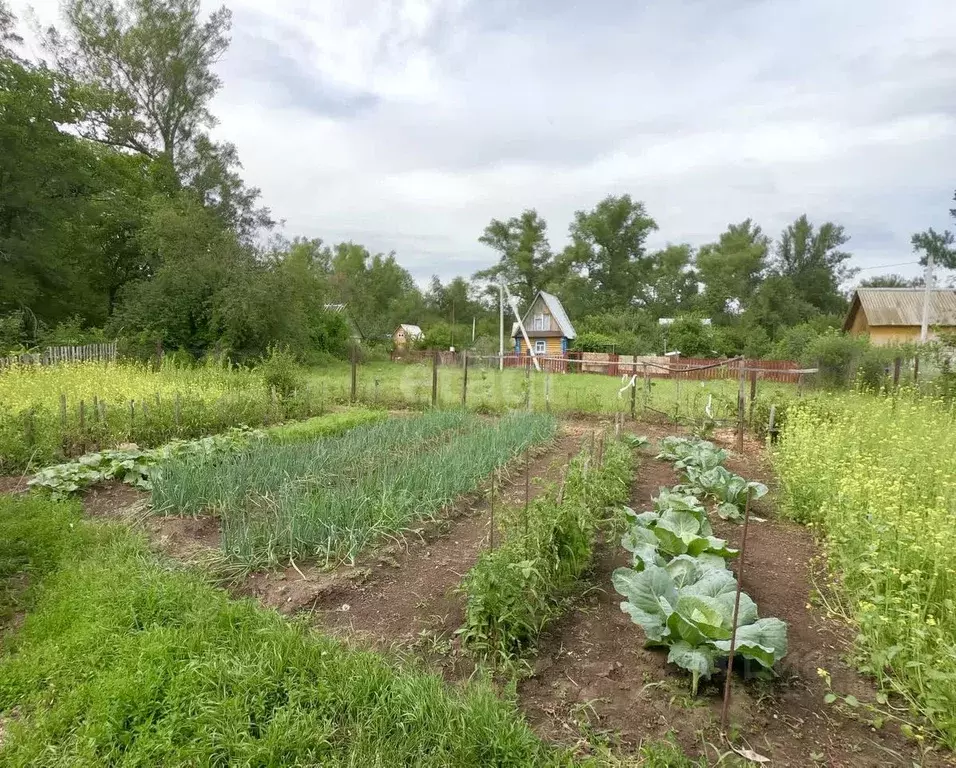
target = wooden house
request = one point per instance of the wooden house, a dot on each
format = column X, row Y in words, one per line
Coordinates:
column 406, row 335
column 548, row 326
column 895, row 315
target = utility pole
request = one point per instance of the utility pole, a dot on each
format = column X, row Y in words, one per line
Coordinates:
column 501, row 325
column 927, row 296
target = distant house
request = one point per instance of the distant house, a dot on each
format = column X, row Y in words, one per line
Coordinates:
column 895, row 315
column 548, row 326
column 406, row 334
column 341, row 309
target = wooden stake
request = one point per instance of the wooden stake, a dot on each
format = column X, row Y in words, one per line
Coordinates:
column 733, row 626
column 772, row 426
column 491, row 529
column 464, row 380
column 897, row 364
column 354, row 383
column 435, row 379
column 741, row 407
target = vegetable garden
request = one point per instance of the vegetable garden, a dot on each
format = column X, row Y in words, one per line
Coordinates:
column 598, row 571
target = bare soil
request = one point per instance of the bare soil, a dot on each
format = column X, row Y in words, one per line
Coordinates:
column 593, row 668
column 409, row 593
column 592, row 679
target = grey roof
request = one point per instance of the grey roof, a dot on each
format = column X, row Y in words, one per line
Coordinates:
column 411, row 330
column 902, row 306
column 558, row 313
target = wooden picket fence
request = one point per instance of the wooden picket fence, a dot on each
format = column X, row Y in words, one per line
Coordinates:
column 103, row 353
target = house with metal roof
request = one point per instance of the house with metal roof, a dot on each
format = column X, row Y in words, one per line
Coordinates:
column 406, row 334
column 548, row 326
column 895, row 315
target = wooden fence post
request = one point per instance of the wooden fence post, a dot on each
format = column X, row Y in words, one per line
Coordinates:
column 29, row 429
column 354, row 381
column 753, row 396
column 916, row 369
column 527, row 383
column 132, row 417
column 464, row 380
column 741, row 405
column 547, row 390
column 634, row 391
column 897, row 364
column 435, row 379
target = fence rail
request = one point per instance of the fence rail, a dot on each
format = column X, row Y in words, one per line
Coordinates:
column 104, row 352
column 645, row 366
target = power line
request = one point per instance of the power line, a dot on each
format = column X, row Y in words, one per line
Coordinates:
column 888, row 266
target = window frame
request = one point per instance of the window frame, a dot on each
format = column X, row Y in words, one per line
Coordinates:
column 540, row 346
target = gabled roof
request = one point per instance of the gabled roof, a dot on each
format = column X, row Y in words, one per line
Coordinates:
column 556, row 308
column 902, row 306
column 411, row 330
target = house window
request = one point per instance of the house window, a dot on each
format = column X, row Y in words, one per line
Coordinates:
column 539, row 323
column 540, row 347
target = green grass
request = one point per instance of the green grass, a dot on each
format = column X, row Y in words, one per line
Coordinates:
column 876, row 475
column 330, row 498
column 126, row 662
column 491, row 391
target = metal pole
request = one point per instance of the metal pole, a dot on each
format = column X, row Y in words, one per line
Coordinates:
column 733, row 627
column 927, row 298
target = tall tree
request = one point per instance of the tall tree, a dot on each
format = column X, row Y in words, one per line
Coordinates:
column 815, row 264
column 526, row 263
column 150, row 64
column 939, row 245
column 153, row 59
column 672, row 286
column 731, row 270
column 608, row 245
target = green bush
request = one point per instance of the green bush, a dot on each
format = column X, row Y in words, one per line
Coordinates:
column 280, row 372
column 514, row 591
column 837, row 356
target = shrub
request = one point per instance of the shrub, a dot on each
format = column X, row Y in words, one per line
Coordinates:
column 280, row 372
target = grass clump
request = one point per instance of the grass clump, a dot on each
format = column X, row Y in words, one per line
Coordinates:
column 514, row 591
column 126, row 662
column 876, row 475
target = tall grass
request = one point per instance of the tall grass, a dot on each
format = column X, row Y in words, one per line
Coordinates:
column 169, row 403
column 126, row 662
column 877, row 475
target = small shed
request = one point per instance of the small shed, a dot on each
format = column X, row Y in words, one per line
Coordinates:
column 406, row 334
column 895, row 315
column 548, row 326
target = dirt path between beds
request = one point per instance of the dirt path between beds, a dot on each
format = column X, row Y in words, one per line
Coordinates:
column 593, row 669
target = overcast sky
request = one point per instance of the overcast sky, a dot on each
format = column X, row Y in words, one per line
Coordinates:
column 407, row 125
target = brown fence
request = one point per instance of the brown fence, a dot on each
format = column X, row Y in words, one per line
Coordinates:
column 105, row 352
column 644, row 366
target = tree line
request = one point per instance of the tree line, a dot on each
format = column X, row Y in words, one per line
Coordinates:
column 120, row 216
